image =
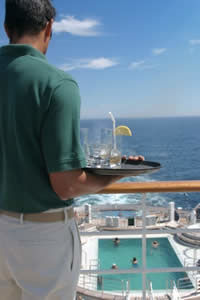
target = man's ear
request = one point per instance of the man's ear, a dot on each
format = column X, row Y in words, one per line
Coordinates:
column 7, row 31
column 48, row 29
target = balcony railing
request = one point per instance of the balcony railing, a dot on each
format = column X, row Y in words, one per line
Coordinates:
column 152, row 187
column 143, row 188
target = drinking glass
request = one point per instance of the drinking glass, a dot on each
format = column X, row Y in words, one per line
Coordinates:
column 115, row 158
column 101, row 149
column 84, row 142
column 97, row 145
column 100, row 154
column 115, row 154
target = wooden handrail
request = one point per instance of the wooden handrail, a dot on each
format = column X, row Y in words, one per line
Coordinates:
column 152, row 187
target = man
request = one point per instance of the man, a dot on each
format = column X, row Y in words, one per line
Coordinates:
column 41, row 162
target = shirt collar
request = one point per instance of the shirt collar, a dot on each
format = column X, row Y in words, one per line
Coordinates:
column 16, row 50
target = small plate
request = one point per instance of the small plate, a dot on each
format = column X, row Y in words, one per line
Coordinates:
column 128, row 168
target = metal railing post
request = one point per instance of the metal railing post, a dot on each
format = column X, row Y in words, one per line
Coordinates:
column 122, row 282
column 127, row 289
column 144, row 247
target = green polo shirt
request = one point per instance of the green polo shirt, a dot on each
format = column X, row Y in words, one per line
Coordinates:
column 39, row 129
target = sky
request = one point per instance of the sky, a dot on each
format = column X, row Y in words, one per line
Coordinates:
column 135, row 58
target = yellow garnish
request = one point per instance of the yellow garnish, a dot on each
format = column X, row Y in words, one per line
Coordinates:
column 123, row 130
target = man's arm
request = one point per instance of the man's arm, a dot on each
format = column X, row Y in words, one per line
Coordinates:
column 69, row 184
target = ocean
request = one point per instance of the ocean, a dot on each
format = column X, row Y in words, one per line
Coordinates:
column 173, row 142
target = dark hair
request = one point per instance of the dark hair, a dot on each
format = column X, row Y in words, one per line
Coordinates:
column 28, row 16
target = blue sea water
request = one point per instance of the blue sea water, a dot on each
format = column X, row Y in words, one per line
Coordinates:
column 173, row 142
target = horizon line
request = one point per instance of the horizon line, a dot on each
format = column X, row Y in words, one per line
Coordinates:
column 144, row 117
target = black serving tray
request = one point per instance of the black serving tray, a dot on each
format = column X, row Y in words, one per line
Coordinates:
column 128, row 167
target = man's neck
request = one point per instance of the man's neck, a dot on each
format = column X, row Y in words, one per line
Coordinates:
column 29, row 40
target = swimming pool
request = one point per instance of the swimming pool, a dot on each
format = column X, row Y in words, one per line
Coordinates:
column 161, row 257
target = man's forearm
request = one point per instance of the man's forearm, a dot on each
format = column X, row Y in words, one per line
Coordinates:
column 76, row 183
column 90, row 183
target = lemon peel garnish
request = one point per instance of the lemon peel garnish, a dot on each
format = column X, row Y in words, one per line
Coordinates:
column 123, row 130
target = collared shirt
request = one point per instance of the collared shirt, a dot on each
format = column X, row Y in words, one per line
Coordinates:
column 39, row 129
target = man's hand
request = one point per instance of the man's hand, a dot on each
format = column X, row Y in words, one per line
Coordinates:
column 136, row 157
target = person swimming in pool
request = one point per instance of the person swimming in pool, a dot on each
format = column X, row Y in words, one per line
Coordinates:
column 116, row 241
column 155, row 244
column 134, row 261
column 114, row 266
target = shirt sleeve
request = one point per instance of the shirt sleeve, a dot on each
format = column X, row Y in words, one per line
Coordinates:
column 60, row 135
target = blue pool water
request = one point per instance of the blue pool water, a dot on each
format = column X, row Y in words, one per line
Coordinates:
column 161, row 257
